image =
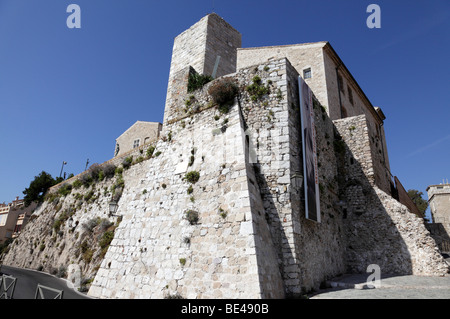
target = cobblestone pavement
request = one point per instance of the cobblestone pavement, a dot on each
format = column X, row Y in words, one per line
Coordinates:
column 391, row 287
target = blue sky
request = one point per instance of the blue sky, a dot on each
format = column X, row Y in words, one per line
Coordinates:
column 67, row 94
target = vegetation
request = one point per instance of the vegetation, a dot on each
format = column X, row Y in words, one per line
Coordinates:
column 417, row 198
column 257, row 90
column 223, row 92
column 197, row 81
column 126, row 163
column 192, row 217
column 150, row 151
column 38, row 187
column 192, row 177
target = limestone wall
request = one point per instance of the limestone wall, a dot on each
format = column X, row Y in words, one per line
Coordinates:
column 156, row 251
column 273, row 127
column 379, row 229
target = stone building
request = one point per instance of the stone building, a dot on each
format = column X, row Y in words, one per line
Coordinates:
column 439, row 202
column 217, row 208
column 138, row 134
column 13, row 217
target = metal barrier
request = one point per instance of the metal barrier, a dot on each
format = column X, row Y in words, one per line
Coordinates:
column 7, row 289
column 42, row 291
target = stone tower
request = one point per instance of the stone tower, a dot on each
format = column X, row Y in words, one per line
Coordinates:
column 198, row 48
column 439, row 200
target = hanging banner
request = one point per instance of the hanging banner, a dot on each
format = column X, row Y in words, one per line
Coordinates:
column 310, row 169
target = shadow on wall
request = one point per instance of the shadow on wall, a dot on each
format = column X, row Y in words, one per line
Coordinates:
column 440, row 235
column 350, row 237
column 372, row 236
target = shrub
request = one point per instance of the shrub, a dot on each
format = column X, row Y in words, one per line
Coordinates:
column 106, row 239
column 89, row 196
column 94, row 171
column 257, row 90
column 192, row 217
column 126, row 163
column 118, row 171
column 150, row 151
column 139, row 159
column 87, row 255
column 65, row 189
column 90, row 224
column 197, row 81
column 192, row 177
column 105, row 224
column 77, row 184
column 109, row 170
column 86, row 179
column 223, row 91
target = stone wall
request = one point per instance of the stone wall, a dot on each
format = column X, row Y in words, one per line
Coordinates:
column 274, row 127
column 156, row 251
column 379, row 229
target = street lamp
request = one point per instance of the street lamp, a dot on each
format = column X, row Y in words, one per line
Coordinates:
column 62, row 167
column 297, row 181
column 113, row 208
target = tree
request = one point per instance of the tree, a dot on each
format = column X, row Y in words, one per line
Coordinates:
column 416, row 197
column 38, row 187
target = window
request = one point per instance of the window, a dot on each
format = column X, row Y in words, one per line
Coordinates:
column 3, row 219
column 307, row 73
column 136, row 143
column 350, row 94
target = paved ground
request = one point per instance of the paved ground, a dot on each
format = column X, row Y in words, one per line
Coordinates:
column 391, row 287
column 27, row 281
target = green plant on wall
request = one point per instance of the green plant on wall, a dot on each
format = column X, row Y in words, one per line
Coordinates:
column 197, row 81
column 192, row 216
column 223, row 92
column 192, row 177
column 257, row 90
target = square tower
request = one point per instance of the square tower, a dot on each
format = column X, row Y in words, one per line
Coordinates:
column 199, row 48
column 439, row 201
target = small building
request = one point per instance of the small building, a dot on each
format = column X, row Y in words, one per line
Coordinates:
column 138, row 134
column 439, row 201
column 13, row 217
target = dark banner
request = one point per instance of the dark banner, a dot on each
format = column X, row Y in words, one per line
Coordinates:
column 310, row 169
